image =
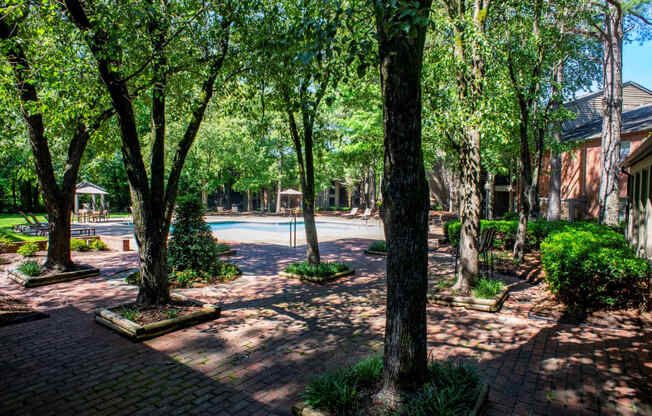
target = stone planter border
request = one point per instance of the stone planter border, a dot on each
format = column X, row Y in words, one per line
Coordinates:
column 314, row 279
column 15, row 245
column 230, row 252
column 469, row 302
column 137, row 332
column 35, row 281
column 377, row 253
column 302, row 408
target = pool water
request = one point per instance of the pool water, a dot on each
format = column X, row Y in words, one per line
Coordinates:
column 276, row 227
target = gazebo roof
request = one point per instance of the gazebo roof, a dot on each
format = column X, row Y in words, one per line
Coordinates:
column 291, row 192
column 85, row 187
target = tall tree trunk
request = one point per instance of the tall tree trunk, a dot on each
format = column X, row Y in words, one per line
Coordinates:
column 612, row 107
column 491, row 195
column 303, row 147
column 533, row 192
column 405, row 203
column 554, row 197
column 525, row 180
column 204, row 198
column 153, row 200
column 470, row 212
column 58, row 197
column 249, row 201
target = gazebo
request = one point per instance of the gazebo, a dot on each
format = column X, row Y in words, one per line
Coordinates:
column 292, row 194
column 91, row 189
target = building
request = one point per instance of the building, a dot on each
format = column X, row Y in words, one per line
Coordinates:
column 639, row 207
column 581, row 166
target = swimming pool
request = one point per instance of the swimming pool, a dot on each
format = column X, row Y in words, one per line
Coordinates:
column 279, row 227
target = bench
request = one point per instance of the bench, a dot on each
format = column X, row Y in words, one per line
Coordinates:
column 484, row 251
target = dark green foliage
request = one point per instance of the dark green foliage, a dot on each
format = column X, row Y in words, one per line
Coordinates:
column 28, row 249
column 98, row 245
column 192, row 245
column 510, row 216
column 487, row 288
column 593, row 267
column 450, row 389
column 220, row 272
column 221, row 248
column 316, row 270
column 537, row 230
column 79, row 245
column 30, row 268
column 505, row 232
column 378, row 246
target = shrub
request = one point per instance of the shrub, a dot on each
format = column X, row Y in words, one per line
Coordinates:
column 316, row 270
column 98, row 245
column 79, row 245
column 30, row 268
column 221, row 248
column 505, row 232
column 592, row 266
column 449, row 389
column 487, row 288
column 510, row 216
column 378, row 246
column 192, row 245
column 28, row 249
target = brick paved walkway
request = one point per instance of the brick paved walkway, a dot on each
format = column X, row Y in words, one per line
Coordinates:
column 274, row 334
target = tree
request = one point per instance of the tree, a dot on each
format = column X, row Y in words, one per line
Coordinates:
column 183, row 39
column 298, row 54
column 32, row 71
column 605, row 21
column 401, row 31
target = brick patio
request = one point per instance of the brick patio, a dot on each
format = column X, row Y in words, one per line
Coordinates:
column 274, row 334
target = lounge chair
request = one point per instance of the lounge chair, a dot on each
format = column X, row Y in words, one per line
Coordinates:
column 235, row 210
column 353, row 213
column 367, row 214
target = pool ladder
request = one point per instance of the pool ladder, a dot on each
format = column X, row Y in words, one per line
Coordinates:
column 293, row 221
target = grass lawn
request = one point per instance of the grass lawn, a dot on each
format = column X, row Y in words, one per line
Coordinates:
column 7, row 221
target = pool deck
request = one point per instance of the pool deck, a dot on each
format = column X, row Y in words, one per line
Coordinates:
column 275, row 334
column 371, row 229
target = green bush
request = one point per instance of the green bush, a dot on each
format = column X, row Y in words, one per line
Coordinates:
column 450, row 389
column 487, row 288
column 98, row 245
column 192, row 246
column 79, row 245
column 378, row 246
column 592, row 266
column 505, row 232
column 28, row 249
column 30, row 268
column 221, row 248
column 316, row 270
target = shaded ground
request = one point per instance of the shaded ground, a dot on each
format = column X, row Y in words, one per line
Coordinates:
column 275, row 334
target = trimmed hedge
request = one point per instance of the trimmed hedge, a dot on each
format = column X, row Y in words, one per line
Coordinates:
column 592, row 266
column 537, row 230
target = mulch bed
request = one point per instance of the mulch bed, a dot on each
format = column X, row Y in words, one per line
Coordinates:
column 150, row 314
column 13, row 311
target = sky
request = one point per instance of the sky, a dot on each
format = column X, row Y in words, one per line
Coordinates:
column 637, row 63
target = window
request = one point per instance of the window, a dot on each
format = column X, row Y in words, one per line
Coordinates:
column 624, row 150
